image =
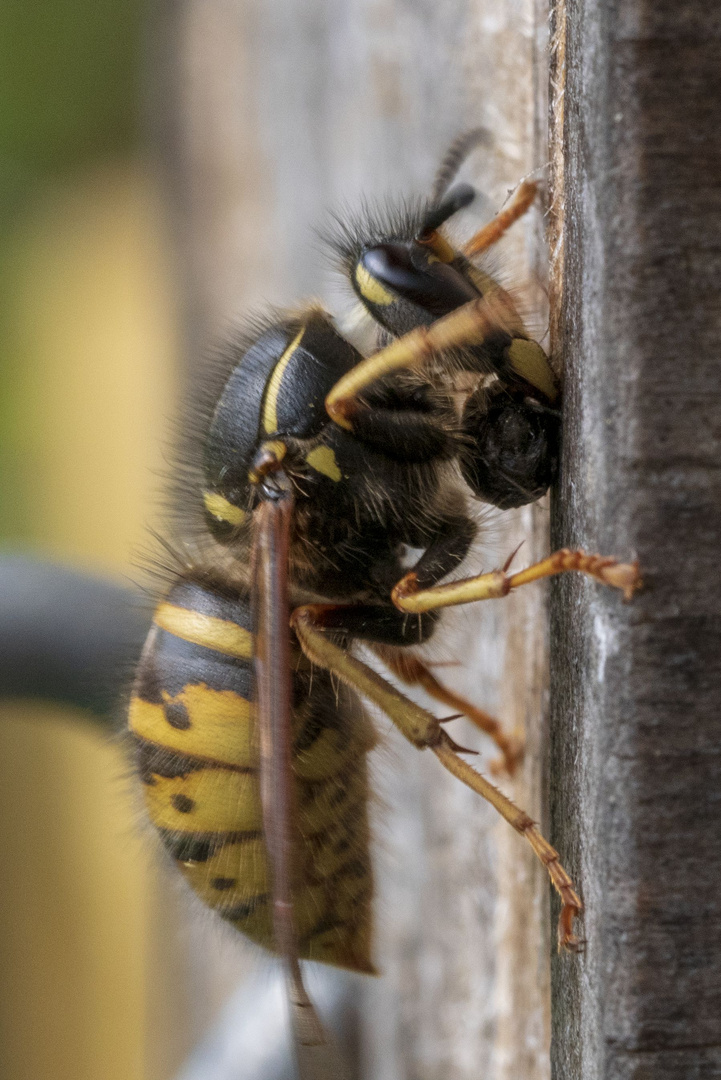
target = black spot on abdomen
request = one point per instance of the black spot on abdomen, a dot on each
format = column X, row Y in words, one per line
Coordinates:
column 177, row 715
column 182, row 804
column 222, row 883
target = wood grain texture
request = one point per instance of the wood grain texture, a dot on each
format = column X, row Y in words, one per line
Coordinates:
column 636, row 725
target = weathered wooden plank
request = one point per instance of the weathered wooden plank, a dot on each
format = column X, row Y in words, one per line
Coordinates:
column 636, row 727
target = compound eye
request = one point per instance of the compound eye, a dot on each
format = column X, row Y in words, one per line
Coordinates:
column 394, row 271
column 390, row 265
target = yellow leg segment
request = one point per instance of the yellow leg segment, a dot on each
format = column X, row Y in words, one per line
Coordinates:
column 471, row 324
column 408, row 597
column 494, row 230
column 424, row 730
column 414, row 672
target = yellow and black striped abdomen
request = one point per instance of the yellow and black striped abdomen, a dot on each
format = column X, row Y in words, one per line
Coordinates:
column 193, row 721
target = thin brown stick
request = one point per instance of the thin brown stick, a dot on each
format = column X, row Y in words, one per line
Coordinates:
column 272, row 522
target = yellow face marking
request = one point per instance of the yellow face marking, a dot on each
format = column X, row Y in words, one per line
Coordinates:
column 323, row 460
column 209, row 800
column 531, row 362
column 371, row 289
column 219, row 634
column 221, row 725
column 270, row 414
column 220, row 508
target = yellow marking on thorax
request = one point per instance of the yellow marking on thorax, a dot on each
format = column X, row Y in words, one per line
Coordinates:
column 323, row 460
column 530, row 361
column 371, row 289
column 219, row 634
column 222, row 725
column 220, row 508
column 270, row 405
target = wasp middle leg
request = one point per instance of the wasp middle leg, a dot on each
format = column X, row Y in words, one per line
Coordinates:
column 410, row 595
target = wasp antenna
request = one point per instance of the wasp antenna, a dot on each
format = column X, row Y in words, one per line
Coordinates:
column 457, row 153
column 456, row 199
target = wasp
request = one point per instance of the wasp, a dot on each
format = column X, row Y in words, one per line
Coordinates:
column 311, row 473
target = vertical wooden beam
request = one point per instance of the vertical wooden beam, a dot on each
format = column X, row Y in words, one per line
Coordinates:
column 636, row 724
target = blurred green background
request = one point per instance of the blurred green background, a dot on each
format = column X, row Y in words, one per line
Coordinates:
column 87, row 359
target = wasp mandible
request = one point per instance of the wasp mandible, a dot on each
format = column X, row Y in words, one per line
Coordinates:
column 312, row 471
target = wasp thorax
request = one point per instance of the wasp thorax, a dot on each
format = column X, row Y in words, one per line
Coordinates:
column 273, row 398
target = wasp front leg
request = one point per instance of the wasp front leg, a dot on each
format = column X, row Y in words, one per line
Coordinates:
column 477, row 323
column 424, row 730
column 491, row 233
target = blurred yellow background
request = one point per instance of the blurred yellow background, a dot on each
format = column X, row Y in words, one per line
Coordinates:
column 88, row 348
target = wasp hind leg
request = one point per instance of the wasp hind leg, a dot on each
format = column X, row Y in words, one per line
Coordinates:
column 412, row 671
column 424, row 730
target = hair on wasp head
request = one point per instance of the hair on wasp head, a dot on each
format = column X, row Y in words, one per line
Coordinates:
column 402, row 269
